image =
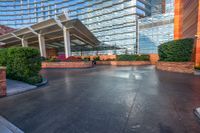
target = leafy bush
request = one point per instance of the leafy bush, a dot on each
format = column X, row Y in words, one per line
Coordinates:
column 197, row 68
column 52, row 60
column 86, row 59
column 177, row 51
column 22, row 64
column 73, row 59
column 133, row 57
column 97, row 58
column 3, row 57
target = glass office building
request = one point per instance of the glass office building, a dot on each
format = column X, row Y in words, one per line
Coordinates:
column 158, row 27
column 113, row 22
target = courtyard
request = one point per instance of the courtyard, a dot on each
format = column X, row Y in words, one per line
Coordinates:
column 107, row 99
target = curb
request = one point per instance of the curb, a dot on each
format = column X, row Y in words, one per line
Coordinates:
column 197, row 72
column 44, row 82
column 6, row 126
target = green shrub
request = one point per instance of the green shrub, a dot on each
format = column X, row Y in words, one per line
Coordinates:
column 97, row 58
column 23, row 64
column 86, row 59
column 52, row 60
column 177, row 51
column 133, row 57
column 3, row 57
column 197, row 68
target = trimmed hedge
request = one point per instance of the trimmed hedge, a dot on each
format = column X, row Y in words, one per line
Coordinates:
column 132, row 57
column 176, row 51
column 3, row 57
column 23, row 64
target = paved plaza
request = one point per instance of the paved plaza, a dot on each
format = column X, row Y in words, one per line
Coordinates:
column 107, row 99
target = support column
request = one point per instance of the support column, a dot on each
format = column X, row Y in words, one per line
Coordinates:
column 137, row 48
column 67, row 42
column 42, row 45
column 178, row 19
column 24, row 42
column 197, row 46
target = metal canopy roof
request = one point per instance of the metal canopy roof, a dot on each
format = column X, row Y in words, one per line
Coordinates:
column 52, row 29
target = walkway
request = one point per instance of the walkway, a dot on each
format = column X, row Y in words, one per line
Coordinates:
column 107, row 99
column 16, row 87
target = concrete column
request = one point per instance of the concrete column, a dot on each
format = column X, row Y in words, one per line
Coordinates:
column 42, row 45
column 24, row 43
column 67, row 42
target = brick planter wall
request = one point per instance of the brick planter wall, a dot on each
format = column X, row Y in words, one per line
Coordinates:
column 181, row 67
column 81, row 64
column 107, row 57
column 154, row 58
column 123, row 63
column 101, row 57
column 2, row 81
column 103, row 62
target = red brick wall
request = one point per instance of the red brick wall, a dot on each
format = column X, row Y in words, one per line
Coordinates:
column 81, row 64
column 101, row 57
column 2, row 81
column 181, row 67
column 108, row 57
column 124, row 63
column 154, row 58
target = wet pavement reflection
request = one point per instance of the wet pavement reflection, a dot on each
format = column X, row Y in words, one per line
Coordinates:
column 107, row 99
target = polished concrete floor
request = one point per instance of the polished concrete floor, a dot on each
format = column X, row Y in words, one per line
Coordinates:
column 107, row 99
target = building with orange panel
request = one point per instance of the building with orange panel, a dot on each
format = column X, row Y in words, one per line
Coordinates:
column 187, row 23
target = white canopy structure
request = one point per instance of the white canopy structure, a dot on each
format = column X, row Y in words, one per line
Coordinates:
column 54, row 32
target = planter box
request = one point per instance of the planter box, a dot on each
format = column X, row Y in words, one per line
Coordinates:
column 181, row 67
column 81, row 64
column 103, row 62
column 2, row 81
column 153, row 58
column 124, row 63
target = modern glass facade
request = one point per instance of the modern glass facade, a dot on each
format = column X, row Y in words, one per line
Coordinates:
column 157, row 28
column 113, row 22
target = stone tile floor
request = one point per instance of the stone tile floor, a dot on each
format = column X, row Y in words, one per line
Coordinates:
column 108, row 99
